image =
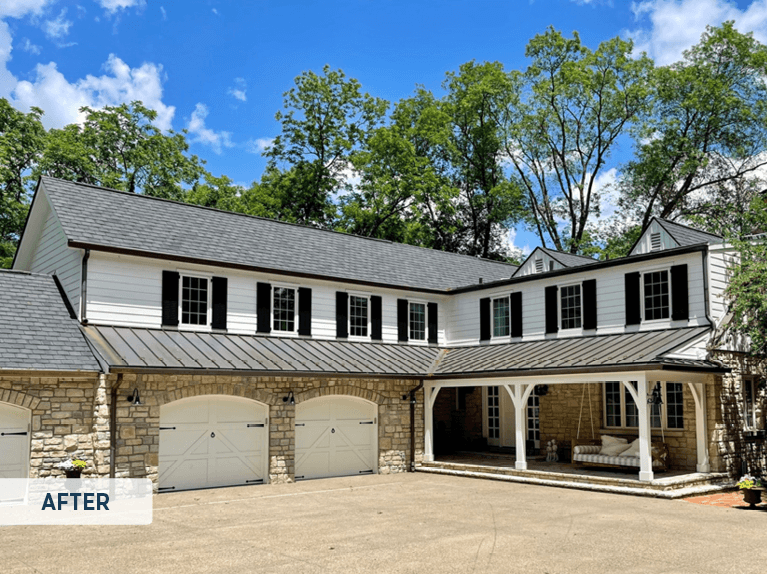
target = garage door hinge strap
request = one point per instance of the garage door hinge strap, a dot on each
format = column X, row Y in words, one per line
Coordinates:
column 300, row 424
column 256, row 480
column 366, row 422
column 167, row 488
column 255, row 425
column 167, row 428
column 13, row 433
column 366, row 472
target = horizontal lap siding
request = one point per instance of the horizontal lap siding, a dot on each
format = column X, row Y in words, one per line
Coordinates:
column 53, row 256
column 719, row 262
column 645, row 243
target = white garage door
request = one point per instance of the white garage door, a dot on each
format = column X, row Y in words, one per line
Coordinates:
column 336, row 436
column 212, row 441
column 14, row 441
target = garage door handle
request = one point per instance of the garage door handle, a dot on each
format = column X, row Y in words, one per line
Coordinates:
column 13, row 434
column 366, row 422
column 255, row 425
column 212, row 435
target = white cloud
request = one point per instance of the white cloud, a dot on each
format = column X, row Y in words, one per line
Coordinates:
column 20, row 8
column 206, row 136
column 58, row 28
column 214, row 11
column 592, row 2
column 258, row 145
column 238, row 91
column 113, row 6
column 29, row 47
column 163, row 12
column 120, row 83
column 518, row 252
column 676, row 25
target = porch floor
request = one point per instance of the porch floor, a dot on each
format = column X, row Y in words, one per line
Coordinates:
column 498, row 466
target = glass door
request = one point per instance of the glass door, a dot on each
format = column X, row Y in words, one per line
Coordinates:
column 533, row 420
column 493, row 416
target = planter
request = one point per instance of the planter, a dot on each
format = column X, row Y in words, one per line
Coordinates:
column 752, row 496
column 75, row 473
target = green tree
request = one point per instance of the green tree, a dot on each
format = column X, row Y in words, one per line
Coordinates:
column 325, row 119
column 573, row 106
column 22, row 138
column 708, row 127
column 119, row 147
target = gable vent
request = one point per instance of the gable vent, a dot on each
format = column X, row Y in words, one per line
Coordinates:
column 655, row 242
column 539, row 265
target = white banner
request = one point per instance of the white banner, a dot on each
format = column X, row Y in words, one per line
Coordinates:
column 87, row 501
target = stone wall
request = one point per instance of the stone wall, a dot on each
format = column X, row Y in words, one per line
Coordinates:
column 69, row 418
column 137, row 427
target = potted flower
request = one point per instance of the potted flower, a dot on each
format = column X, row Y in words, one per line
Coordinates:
column 752, row 490
column 73, row 467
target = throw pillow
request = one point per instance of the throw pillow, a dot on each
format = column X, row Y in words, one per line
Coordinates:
column 633, row 449
column 613, row 446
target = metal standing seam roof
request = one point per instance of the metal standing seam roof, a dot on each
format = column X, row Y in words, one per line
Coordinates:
column 128, row 222
column 36, row 330
column 157, row 349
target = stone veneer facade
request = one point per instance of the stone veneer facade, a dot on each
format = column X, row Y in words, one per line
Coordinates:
column 71, row 417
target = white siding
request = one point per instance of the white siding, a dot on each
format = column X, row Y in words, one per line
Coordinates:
column 127, row 291
column 720, row 261
column 529, row 266
column 611, row 315
column 645, row 242
column 53, row 256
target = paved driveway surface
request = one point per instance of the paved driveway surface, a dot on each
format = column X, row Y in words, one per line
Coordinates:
column 402, row 523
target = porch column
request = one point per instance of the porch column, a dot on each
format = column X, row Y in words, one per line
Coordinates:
column 701, row 435
column 645, row 438
column 519, row 393
column 429, row 396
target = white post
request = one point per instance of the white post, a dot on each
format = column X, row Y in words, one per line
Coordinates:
column 429, row 396
column 519, row 398
column 701, row 435
column 645, row 438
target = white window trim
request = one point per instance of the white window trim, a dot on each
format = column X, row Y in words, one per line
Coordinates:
column 750, row 425
column 209, row 315
column 425, row 340
column 663, row 411
column 572, row 330
column 370, row 318
column 642, row 273
column 294, row 332
column 493, row 337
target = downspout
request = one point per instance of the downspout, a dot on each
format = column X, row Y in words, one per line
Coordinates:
column 412, row 424
column 113, row 425
column 84, row 287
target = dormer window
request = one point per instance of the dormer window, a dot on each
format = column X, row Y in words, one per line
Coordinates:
column 195, row 300
column 539, row 265
column 655, row 244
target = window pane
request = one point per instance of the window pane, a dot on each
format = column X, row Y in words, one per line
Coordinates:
column 501, row 317
column 571, row 307
column 284, row 309
column 674, row 406
column 748, row 398
column 418, row 321
column 194, row 301
column 613, row 404
column 358, row 316
column 632, row 411
column 656, row 295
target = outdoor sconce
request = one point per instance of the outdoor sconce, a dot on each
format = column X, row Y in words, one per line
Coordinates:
column 542, row 390
column 290, row 399
column 655, row 398
column 134, row 398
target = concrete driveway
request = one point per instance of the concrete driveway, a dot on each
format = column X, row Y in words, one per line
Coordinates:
column 402, row 523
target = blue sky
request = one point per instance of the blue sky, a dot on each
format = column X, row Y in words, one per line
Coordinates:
column 219, row 68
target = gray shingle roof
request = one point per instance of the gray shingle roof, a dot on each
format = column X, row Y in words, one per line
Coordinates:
column 684, row 235
column 140, row 348
column 36, row 331
column 97, row 216
column 568, row 259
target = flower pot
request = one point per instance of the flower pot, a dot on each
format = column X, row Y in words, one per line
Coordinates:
column 75, row 473
column 752, row 496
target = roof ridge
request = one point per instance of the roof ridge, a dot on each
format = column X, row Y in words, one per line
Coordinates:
column 268, row 219
column 549, row 250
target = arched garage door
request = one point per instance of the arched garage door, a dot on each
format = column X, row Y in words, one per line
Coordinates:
column 336, row 436
column 211, row 441
column 14, row 441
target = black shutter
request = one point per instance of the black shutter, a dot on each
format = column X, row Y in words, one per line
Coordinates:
column 305, row 311
column 264, row 307
column 589, row 288
column 170, row 298
column 633, row 299
column 679, row 297
column 376, row 318
column 484, row 319
column 218, row 297
column 403, row 320
column 516, row 314
column 552, row 316
column 433, row 323
column 342, row 314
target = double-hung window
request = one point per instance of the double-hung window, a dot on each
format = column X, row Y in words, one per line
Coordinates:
column 501, row 317
column 359, row 316
column 570, row 306
column 656, row 296
column 195, row 300
column 417, row 322
column 284, row 307
column 621, row 411
column 749, row 402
